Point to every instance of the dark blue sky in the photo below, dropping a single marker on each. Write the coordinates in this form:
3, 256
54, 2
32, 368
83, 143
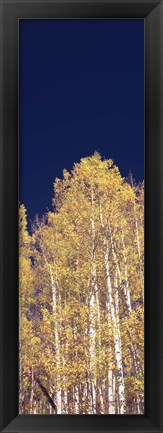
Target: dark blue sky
81, 87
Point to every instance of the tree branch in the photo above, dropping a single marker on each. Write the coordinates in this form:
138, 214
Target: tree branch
45, 392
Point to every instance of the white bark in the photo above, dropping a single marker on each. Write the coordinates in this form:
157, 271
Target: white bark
34, 408
93, 391
114, 394
76, 399
116, 334
32, 391
89, 396
126, 289
58, 392
111, 402
139, 250
101, 399
84, 396
117, 341
137, 231
65, 401
40, 407
75, 388
92, 352
92, 331
128, 303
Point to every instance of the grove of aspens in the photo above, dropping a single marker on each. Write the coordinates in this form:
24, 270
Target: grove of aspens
81, 296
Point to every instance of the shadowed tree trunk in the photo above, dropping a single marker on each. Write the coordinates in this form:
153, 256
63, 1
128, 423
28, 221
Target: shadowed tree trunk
45, 392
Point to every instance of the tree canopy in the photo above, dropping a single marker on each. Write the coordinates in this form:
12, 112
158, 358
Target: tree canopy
81, 284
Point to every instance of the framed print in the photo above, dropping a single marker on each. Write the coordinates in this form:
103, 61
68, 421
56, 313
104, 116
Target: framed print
75, 338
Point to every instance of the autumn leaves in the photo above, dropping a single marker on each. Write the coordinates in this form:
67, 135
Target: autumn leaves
81, 296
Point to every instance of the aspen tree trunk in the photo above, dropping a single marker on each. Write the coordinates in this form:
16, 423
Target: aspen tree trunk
34, 408
58, 393
40, 407
111, 403
139, 250
128, 303
99, 343
126, 290
111, 378
101, 399
91, 385
93, 391
75, 388
32, 391
83, 397
116, 297
117, 340
92, 332
114, 393
137, 232
136, 222
65, 393
20, 382
127, 297
89, 396
76, 399
116, 336
65, 401
116, 303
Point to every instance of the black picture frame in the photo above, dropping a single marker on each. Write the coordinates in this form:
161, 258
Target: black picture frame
152, 13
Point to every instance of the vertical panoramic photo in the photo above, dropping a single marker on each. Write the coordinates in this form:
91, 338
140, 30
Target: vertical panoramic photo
81, 216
